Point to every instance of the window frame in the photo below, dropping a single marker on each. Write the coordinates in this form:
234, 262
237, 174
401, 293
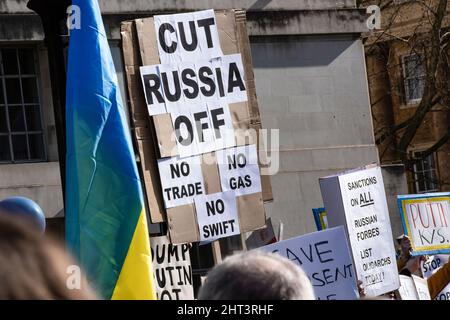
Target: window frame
406, 88
20, 76
423, 172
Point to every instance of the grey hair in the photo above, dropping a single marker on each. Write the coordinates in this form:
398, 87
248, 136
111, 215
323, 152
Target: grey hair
256, 275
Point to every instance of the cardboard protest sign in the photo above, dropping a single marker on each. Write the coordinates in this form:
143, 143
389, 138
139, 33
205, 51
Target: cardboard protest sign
325, 258
421, 287
407, 289
261, 237
181, 180
192, 97
217, 216
320, 218
357, 200
432, 264
426, 221
239, 170
171, 269
186, 36
430, 267
444, 294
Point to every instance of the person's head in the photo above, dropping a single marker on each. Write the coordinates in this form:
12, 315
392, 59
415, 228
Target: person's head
33, 266
256, 275
25, 208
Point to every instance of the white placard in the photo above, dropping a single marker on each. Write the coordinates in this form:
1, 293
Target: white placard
181, 180
421, 287
357, 199
407, 289
433, 264
444, 294
239, 170
172, 270
325, 258
217, 216
426, 221
154, 97
202, 128
187, 36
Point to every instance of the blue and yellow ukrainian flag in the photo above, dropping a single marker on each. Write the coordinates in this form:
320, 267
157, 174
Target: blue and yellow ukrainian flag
106, 225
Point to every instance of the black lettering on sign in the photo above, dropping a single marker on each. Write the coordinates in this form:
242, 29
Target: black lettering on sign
218, 228
205, 81
213, 207
172, 97
183, 191
206, 25
188, 46
179, 168
220, 82
235, 78
162, 39
185, 141
203, 73
201, 125
235, 161
240, 182
217, 123
189, 82
152, 84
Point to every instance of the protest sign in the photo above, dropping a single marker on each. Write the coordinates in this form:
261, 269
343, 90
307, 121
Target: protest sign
444, 294
426, 221
239, 170
325, 258
171, 269
176, 43
407, 289
217, 215
432, 264
320, 218
421, 287
261, 237
181, 180
357, 200
430, 267
192, 96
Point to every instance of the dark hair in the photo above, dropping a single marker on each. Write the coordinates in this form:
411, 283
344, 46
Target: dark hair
256, 275
33, 266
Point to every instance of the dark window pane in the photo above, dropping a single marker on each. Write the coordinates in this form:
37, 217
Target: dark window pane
16, 120
29, 89
26, 59
430, 162
9, 61
33, 118
420, 182
3, 123
36, 146
13, 91
20, 147
5, 154
419, 167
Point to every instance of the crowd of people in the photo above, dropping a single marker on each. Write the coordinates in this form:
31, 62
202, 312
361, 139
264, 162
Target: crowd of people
34, 266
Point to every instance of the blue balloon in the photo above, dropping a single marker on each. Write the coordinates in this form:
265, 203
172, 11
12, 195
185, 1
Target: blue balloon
26, 208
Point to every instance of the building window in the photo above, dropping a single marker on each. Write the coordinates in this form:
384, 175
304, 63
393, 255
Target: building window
21, 135
425, 173
414, 78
